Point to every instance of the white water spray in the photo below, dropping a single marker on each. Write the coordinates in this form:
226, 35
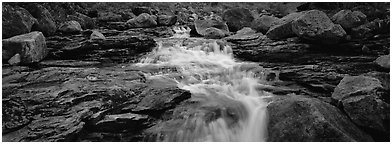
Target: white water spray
210, 72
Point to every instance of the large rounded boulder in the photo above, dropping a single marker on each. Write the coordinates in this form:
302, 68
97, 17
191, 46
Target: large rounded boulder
143, 20
298, 118
237, 18
366, 101
213, 27
16, 21
263, 23
315, 25
282, 28
349, 19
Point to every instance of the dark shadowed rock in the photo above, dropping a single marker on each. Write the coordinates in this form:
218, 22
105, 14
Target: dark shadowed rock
364, 99
70, 27
16, 21
263, 23
297, 118
45, 23
315, 26
31, 47
349, 19
237, 18
143, 20
139, 10
166, 20
282, 28
383, 61
372, 28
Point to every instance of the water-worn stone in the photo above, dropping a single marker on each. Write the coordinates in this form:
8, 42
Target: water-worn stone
298, 118
237, 18
364, 99
31, 47
16, 21
315, 26
166, 20
71, 27
263, 23
211, 27
143, 20
45, 23
15, 60
96, 35
349, 19
282, 28
383, 61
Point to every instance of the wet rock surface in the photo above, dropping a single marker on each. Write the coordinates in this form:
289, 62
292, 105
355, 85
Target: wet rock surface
88, 87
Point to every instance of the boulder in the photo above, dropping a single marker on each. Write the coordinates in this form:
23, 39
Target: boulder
214, 33
349, 19
166, 20
45, 23
109, 17
237, 18
383, 61
143, 20
298, 118
212, 26
70, 27
263, 23
282, 28
314, 25
31, 47
96, 35
16, 21
365, 100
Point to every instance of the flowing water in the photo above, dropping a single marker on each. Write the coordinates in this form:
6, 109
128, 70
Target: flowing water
210, 72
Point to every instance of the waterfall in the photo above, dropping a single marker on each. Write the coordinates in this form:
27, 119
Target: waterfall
210, 72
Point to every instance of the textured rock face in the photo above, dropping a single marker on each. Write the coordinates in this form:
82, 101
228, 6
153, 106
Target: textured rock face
263, 23
76, 104
297, 118
45, 23
31, 47
16, 21
282, 28
349, 19
364, 99
143, 20
70, 27
315, 26
383, 61
237, 18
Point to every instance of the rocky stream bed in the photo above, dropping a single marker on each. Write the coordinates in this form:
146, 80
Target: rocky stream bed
327, 73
